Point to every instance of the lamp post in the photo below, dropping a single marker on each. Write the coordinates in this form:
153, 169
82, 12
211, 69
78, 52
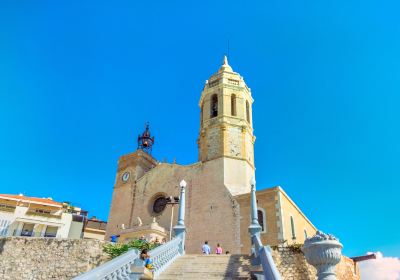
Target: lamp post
172, 201
180, 228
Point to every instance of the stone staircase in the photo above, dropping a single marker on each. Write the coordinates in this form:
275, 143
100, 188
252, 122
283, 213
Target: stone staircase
210, 267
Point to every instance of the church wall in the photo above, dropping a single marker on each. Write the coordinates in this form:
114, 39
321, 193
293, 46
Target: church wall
249, 146
136, 164
163, 180
212, 213
267, 201
237, 175
121, 204
301, 223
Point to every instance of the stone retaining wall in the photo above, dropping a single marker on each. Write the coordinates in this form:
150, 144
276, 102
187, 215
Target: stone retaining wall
30, 258
25, 258
293, 265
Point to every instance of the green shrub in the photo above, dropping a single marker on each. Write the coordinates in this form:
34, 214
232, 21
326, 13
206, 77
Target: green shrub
117, 249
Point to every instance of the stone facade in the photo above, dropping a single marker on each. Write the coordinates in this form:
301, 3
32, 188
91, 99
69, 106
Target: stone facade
226, 129
48, 258
277, 209
211, 212
131, 167
293, 265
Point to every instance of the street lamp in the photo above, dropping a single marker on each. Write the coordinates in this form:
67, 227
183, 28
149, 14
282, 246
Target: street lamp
172, 201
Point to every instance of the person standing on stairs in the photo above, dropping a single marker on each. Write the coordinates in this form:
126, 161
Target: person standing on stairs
206, 249
218, 250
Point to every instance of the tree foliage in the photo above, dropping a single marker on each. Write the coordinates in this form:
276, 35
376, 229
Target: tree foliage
116, 249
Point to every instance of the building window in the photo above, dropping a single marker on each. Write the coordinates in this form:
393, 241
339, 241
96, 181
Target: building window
233, 105
247, 111
27, 230
262, 219
292, 225
159, 205
214, 106
41, 211
4, 224
51, 232
305, 234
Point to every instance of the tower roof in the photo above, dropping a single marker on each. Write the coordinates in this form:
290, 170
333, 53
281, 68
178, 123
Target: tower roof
225, 66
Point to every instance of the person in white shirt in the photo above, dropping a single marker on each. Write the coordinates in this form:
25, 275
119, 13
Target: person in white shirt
206, 249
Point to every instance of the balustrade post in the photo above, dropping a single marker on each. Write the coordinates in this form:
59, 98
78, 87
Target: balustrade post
254, 228
180, 228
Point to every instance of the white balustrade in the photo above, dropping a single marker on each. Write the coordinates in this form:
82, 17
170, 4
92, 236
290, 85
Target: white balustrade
116, 269
162, 256
261, 254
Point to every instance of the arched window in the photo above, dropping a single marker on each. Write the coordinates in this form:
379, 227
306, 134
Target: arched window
305, 234
233, 105
247, 111
292, 225
214, 106
262, 219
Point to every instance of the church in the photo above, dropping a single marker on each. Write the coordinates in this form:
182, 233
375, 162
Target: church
218, 185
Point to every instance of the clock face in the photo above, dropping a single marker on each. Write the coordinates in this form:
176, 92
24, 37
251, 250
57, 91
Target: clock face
125, 176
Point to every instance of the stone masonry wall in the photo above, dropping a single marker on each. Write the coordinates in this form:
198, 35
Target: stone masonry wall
292, 265
48, 258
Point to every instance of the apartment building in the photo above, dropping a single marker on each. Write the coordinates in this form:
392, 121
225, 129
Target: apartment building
22, 215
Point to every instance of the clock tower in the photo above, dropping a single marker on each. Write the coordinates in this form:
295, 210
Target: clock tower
226, 131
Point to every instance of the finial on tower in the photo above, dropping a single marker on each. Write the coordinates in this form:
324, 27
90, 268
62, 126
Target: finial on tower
225, 66
225, 60
145, 141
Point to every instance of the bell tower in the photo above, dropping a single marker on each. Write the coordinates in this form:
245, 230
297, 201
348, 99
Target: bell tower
226, 130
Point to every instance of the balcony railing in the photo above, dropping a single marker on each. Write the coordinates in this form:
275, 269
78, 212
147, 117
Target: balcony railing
43, 214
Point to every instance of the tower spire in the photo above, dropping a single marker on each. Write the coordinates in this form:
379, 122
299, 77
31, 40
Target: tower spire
145, 141
225, 66
225, 62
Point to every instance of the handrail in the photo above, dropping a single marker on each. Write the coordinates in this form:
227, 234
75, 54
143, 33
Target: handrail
266, 260
261, 254
118, 268
165, 254
162, 256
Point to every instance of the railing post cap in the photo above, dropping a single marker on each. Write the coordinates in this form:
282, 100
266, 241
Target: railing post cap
183, 184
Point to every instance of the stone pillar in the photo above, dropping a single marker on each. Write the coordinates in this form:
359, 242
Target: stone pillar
323, 251
254, 228
180, 228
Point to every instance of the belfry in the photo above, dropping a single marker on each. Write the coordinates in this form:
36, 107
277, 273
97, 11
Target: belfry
226, 130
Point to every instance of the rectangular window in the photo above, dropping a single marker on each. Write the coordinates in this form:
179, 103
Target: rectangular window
293, 230
51, 232
27, 230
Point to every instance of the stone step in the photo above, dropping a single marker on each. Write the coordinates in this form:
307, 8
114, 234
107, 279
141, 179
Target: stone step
204, 276
197, 277
210, 267
205, 271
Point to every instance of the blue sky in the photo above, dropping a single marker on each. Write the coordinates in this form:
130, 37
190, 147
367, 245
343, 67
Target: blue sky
78, 79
